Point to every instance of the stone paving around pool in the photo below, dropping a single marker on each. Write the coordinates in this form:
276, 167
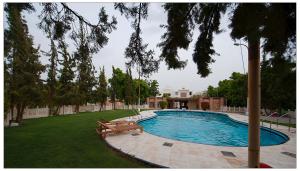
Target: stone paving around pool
179, 154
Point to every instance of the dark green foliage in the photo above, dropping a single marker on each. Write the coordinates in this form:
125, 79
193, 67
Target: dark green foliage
117, 83
116, 88
7, 62
124, 87
47, 26
234, 90
178, 33
166, 95
280, 28
278, 80
6, 88
209, 21
130, 93
52, 81
245, 25
23, 61
275, 22
163, 104
66, 88
144, 89
212, 92
278, 86
102, 91
181, 22
63, 19
153, 88
136, 51
56, 20
86, 79
138, 56
63, 142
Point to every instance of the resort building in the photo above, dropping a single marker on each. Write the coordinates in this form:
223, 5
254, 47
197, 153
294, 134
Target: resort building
184, 98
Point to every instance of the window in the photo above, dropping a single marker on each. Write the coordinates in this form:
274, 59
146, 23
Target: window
176, 93
151, 104
190, 93
182, 94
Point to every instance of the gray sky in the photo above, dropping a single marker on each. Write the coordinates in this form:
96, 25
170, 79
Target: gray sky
113, 53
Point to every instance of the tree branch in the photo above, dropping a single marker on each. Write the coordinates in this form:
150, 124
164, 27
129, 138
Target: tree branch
189, 11
77, 15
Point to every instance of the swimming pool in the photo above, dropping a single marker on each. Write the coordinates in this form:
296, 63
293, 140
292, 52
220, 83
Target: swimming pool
207, 128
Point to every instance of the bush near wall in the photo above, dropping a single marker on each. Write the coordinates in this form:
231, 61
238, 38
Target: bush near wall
163, 104
204, 105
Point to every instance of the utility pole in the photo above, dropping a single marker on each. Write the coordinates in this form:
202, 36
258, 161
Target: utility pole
253, 102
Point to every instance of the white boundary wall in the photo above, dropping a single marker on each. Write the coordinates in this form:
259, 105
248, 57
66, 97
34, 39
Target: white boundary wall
30, 113
233, 109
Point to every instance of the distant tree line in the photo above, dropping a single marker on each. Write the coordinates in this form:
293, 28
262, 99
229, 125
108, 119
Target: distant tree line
233, 89
71, 76
278, 86
124, 87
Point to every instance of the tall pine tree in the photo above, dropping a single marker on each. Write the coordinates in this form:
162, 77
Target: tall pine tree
66, 88
130, 94
25, 65
47, 25
102, 91
86, 79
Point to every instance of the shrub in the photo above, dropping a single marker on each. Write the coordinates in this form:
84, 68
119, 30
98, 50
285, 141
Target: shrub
205, 105
163, 104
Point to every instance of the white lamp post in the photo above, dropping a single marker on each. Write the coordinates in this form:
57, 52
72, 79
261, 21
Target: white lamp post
240, 44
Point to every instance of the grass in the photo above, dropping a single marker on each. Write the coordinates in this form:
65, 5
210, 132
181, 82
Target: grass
274, 123
63, 142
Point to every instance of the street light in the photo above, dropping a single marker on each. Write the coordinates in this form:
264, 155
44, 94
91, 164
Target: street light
240, 44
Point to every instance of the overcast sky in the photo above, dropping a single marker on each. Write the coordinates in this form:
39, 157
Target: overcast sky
113, 53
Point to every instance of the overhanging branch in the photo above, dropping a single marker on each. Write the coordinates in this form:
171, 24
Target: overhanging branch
81, 18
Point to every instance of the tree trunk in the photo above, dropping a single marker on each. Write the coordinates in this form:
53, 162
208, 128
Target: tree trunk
254, 103
20, 111
50, 110
56, 110
18, 119
12, 113
77, 108
101, 105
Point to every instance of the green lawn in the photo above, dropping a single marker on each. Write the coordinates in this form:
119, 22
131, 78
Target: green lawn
63, 142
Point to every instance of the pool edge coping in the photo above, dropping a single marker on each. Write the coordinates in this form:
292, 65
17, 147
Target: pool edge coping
144, 115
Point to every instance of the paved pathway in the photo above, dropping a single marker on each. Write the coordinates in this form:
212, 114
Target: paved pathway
182, 154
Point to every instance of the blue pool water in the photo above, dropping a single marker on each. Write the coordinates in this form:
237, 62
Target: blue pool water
206, 128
